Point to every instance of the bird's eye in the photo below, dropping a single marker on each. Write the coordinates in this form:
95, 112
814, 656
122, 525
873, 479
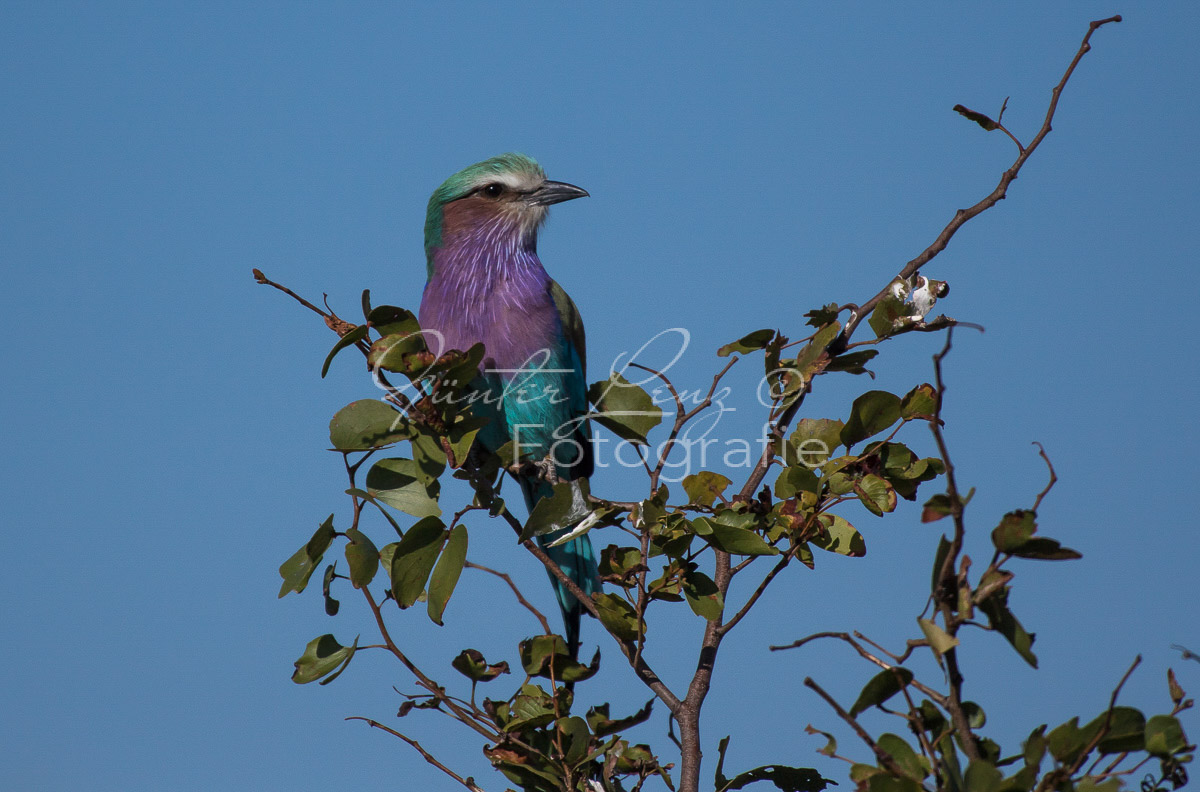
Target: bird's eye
493, 190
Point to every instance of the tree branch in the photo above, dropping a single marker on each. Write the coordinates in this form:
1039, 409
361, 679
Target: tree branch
991, 199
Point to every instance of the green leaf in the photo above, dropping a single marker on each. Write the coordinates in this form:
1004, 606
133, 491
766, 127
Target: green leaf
703, 488
319, 542
982, 776
331, 605
736, 540
299, 568
539, 653
883, 782
602, 725
617, 616
853, 362
1067, 741
1015, 529
549, 513
574, 736
936, 508
903, 755
794, 480
390, 320
830, 748
402, 484
462, 435
362, 556
819, 317
547, 656
404, 353
920, 402
839, 536
881, 687
1164, 737
1089, 784
703, 596
413, 559
351, 338
876, 494
1034, 747
814, 440
951, 769
457, 370
747, 343
624, 408
883, 318
872, 413
618, 564
1001, 619
1044, 549
471, 664
812, 360
296, 571
638, 759
367, 424
939, 640
446, 573
386, 554
976, 718
1126, 730
428, 454
531, 708
321, 656
932, 722
994, 580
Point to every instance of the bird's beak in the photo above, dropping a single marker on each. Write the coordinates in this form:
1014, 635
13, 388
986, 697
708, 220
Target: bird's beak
553, 192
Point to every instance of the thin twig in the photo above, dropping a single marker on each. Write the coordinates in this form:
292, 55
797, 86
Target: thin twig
468, 782
264, 280
899, 658
1053, 477
463, 715
885, 759
528, 606
1053, 779
780, 565
928, 691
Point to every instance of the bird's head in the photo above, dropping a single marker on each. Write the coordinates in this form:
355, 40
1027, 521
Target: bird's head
505, 196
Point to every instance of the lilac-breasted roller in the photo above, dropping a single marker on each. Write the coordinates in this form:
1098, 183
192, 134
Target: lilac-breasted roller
486, 284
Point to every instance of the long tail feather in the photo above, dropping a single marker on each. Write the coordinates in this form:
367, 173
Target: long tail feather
577, 558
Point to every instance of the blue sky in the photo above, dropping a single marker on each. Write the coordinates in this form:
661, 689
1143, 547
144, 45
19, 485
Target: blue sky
166, 418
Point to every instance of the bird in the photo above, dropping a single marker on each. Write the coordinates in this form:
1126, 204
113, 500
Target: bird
485, 284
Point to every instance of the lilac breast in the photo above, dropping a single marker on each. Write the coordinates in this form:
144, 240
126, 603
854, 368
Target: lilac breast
505, 305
